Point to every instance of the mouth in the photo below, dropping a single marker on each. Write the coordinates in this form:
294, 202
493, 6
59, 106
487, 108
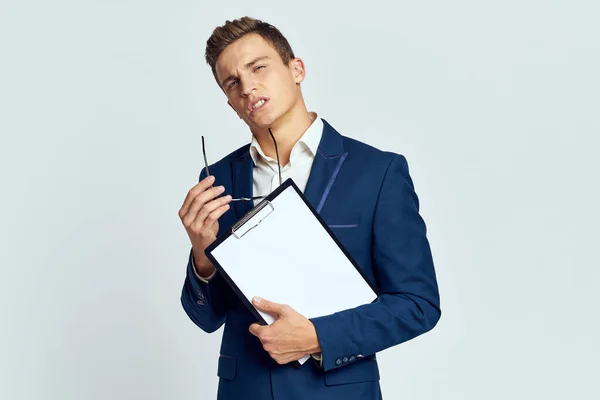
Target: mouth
258, 104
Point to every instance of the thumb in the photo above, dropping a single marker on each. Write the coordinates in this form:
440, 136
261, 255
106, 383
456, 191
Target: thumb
267, 306
256, 329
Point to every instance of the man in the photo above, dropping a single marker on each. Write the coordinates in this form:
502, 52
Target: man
364, 194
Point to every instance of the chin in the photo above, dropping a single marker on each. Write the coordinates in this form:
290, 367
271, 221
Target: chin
264, 121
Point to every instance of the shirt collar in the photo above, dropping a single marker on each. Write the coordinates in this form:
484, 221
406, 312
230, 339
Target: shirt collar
310, 140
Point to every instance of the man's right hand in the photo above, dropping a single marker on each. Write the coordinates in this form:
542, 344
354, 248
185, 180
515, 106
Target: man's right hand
200, 213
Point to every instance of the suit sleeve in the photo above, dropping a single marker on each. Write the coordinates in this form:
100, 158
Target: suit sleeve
204, 301
409, 303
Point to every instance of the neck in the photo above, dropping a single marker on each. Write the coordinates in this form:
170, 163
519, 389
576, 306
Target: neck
287, 130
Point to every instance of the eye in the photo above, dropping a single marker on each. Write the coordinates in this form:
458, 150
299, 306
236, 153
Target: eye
231, 84
259, 67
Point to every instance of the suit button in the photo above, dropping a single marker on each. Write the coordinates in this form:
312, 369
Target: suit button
345, 360
338, 362
352, 359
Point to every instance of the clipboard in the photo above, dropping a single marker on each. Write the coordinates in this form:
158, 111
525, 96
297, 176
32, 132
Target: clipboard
283, 251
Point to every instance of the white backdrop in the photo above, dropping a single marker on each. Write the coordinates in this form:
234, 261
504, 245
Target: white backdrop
494, 104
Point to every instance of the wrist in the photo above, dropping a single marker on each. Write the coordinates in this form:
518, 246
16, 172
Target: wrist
203, 269
315, 346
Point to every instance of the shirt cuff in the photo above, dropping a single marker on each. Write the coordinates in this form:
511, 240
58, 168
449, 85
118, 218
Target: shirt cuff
205, 280
318, 357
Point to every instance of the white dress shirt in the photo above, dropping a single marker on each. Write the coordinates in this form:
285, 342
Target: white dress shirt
265, 174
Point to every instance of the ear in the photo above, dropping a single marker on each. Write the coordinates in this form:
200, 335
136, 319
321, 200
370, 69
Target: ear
298, 69
234, 109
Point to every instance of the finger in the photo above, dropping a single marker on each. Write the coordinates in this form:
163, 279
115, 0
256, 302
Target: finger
295, 357
195, 191
206, 226
214, 216
287, 357
199, 202
204, 216
268, 306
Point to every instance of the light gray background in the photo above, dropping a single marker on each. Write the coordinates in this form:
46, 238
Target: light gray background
494, 104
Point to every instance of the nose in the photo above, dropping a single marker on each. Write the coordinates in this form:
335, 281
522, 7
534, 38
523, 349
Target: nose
247, 86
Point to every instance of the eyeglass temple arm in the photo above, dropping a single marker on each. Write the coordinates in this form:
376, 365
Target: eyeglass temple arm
249, 198
277, 153
205, 160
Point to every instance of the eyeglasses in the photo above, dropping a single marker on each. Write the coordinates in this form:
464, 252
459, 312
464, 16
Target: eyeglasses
246, 198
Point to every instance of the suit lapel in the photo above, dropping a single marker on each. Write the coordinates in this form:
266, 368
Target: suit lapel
326, 166
242, 183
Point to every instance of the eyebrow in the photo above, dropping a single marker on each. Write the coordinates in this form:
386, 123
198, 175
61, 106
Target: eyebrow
246, 66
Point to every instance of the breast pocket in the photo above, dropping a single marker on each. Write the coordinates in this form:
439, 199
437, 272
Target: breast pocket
347, 229
348, 221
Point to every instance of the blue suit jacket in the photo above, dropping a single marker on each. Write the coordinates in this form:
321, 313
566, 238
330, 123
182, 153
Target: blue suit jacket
367, 198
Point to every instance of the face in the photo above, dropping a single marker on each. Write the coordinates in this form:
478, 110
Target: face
259, 87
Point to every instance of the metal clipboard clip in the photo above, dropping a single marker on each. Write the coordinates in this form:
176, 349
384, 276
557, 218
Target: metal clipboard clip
261, 211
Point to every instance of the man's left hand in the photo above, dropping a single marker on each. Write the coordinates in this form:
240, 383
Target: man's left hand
291, 337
